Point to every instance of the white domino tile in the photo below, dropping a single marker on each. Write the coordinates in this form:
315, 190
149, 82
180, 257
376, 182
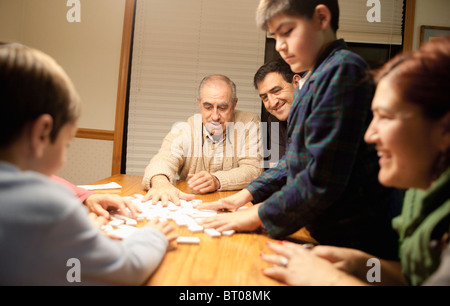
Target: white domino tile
212, 232
188, 240
116, 223
228, 233
195, 228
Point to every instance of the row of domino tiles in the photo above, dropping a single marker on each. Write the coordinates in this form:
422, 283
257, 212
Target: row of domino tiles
183, 215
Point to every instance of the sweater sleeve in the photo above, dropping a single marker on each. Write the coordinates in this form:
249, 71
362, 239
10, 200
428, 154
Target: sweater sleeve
172, 154
103, 261
248, 141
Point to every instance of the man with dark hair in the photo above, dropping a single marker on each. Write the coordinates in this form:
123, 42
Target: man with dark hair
276, 84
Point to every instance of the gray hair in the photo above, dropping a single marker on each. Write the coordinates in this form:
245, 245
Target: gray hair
218, 77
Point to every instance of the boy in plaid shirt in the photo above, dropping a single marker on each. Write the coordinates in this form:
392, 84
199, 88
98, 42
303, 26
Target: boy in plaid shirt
327, 181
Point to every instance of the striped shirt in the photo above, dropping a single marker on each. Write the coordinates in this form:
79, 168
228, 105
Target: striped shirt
327, 181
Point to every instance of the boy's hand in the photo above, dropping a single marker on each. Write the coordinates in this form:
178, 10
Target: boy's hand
164, 227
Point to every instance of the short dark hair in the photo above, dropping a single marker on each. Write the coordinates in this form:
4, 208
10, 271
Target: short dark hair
33, 84
268, 9
279, 66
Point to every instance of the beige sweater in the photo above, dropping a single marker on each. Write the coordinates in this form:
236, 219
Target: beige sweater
187, 149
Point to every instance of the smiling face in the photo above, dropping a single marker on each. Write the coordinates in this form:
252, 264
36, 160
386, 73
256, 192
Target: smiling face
277, 95
216, 105
407, 142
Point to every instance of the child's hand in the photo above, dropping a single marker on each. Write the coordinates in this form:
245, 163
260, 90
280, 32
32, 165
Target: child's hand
164, 227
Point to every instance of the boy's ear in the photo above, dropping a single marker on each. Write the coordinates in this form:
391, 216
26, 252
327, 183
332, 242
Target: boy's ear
323, 15
296, 79
40, 134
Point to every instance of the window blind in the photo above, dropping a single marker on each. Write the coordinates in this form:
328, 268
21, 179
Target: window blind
176, 44
354, 25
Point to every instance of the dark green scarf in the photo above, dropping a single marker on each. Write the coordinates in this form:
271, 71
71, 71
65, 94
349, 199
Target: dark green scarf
422, 213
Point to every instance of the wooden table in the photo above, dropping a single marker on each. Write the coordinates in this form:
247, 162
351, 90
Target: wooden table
224, 261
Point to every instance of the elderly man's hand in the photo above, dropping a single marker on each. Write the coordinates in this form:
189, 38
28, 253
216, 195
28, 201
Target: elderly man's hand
162, 190
203, 182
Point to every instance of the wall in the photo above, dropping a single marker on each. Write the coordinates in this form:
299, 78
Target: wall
430, 13
89, 51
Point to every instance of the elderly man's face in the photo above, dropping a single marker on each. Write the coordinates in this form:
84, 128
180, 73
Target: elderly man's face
216, 106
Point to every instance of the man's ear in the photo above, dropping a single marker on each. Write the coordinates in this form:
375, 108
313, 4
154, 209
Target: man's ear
323, 15
40, 134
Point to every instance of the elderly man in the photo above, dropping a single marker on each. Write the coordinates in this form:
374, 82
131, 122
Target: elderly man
217, 149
